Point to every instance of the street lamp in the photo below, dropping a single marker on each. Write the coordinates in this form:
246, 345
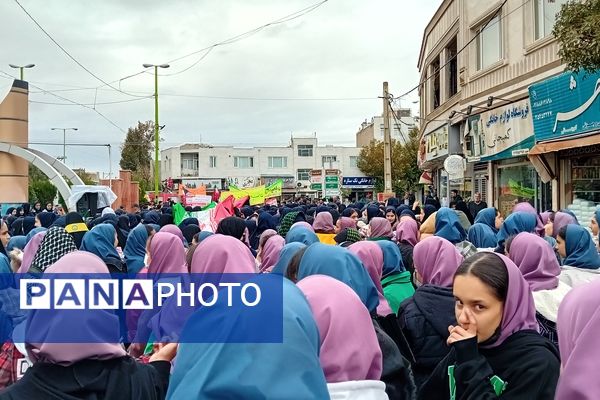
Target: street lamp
156, 127
64, 157
21, 67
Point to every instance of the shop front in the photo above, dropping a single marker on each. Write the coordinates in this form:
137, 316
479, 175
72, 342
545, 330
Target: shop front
358, 188
566, 119
433, 151
496, 144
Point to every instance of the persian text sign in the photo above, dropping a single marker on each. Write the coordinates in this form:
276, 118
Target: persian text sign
505, 127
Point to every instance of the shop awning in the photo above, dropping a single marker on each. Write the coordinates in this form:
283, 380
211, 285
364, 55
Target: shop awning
550, 147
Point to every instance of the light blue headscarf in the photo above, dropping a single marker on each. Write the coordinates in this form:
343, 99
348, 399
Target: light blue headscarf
487, 216
341, 264
203, 235
447, 226
285, 256
516, 223
482, 236
16, 242
6, 273
392, 258
101, 242
135, 249
253, 371
33, 232
302, 235
580, 249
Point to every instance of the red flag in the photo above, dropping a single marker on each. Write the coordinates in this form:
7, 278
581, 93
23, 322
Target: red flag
223, 210
240, 202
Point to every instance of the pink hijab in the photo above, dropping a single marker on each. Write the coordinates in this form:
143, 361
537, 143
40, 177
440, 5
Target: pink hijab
408, 231
270, 253
174, 230
222, 254
381, 227
578, 326
562, 219
303, 224
76, 262
371, 256
30, 250
347, 222
324, 223
338, 310
436, 260
536, 260
167, 254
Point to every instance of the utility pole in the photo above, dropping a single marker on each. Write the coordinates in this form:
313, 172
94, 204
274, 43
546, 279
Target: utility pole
64, 130
387, 142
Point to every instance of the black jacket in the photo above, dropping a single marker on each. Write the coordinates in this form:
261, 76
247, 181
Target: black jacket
424, 318
527, 362
406, 249
120, 378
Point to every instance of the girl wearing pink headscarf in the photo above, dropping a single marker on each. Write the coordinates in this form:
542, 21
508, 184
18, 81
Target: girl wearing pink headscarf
270, 253
86, 370
407, 237
496, 351
324, 228
352, 363
380, 229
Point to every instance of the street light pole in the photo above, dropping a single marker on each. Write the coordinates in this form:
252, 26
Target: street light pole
156, 129
64, 157
21, 68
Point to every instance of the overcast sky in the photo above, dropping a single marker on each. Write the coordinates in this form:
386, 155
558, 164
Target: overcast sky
343, 49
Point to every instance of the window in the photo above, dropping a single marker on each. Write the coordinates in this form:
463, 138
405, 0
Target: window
489, 44
189, 161
435, 71
212, 161
452, 80
277, 162
353, 161
545, 16
305, 150
243, 162
303, 174
327, 160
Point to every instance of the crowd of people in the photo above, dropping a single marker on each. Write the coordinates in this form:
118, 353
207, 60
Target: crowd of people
380, 301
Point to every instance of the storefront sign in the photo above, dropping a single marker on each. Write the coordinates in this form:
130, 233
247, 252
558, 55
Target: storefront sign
208, 183
565, 105
365, 182
332, 183
289, 182
455, 167
436, 143
316, 177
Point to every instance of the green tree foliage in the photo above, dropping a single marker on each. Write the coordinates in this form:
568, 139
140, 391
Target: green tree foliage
136, 154
405, 171
40, 187
577, 32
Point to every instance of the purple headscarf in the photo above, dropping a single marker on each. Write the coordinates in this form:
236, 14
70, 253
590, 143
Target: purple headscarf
578, 326
545, 216
222, 254
30, 250
324, 223
371, 256
346, 222
436, 260
174, 230
76, 262
536, 260
519, 308
528, 208
303, 224
408, 231
337, 311
562, 219
167, 254
381, 227
270, 253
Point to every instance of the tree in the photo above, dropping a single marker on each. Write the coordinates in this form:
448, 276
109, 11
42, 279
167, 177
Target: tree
40, 187
576, 29
136, 154
405, 171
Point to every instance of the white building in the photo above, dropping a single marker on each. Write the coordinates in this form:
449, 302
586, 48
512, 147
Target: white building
219, 166
400, 125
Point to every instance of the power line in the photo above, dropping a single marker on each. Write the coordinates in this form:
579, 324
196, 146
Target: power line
91, 104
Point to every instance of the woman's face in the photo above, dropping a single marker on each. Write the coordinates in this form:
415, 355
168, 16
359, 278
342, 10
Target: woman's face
499, 221
391, 216
49, 206
4, 235
14, 213
37, 206
37, 222
116, 243
337, 226
594, 226
472, 294
561, 246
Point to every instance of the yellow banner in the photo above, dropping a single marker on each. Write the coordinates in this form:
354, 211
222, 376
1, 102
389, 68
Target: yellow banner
257, 194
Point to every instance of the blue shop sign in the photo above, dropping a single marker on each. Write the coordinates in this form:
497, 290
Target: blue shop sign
366, 182
565, 105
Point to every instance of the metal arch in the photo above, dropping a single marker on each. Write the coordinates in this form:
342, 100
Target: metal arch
52, 174
59, 166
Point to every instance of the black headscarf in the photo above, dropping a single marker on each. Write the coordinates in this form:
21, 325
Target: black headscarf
165, 219
46, 218
16, 228
372, 212
189, 231
247, 211
266, 221
393, 202
133, 220
188, 221
28, 225
462, 206
252, 236
59, 221
76, 227
335, 214
428, 209
152, 217
232, 226
348, 211
123, 230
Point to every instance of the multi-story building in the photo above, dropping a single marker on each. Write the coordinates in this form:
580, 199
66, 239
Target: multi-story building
400, 125
217, 167
478, 61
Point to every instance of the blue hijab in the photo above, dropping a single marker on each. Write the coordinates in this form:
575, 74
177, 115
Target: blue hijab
135, 249
101, 242
580, 249
447, 226
341, 264
285, 256
229, 370
16, 242
32, 233
6, 275
203, 235
392, 258
487, 216
266, 221
482, 236
516, 223
302, 235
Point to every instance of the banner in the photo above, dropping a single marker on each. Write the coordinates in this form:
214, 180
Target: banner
256, 194
197, 201
185, 191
